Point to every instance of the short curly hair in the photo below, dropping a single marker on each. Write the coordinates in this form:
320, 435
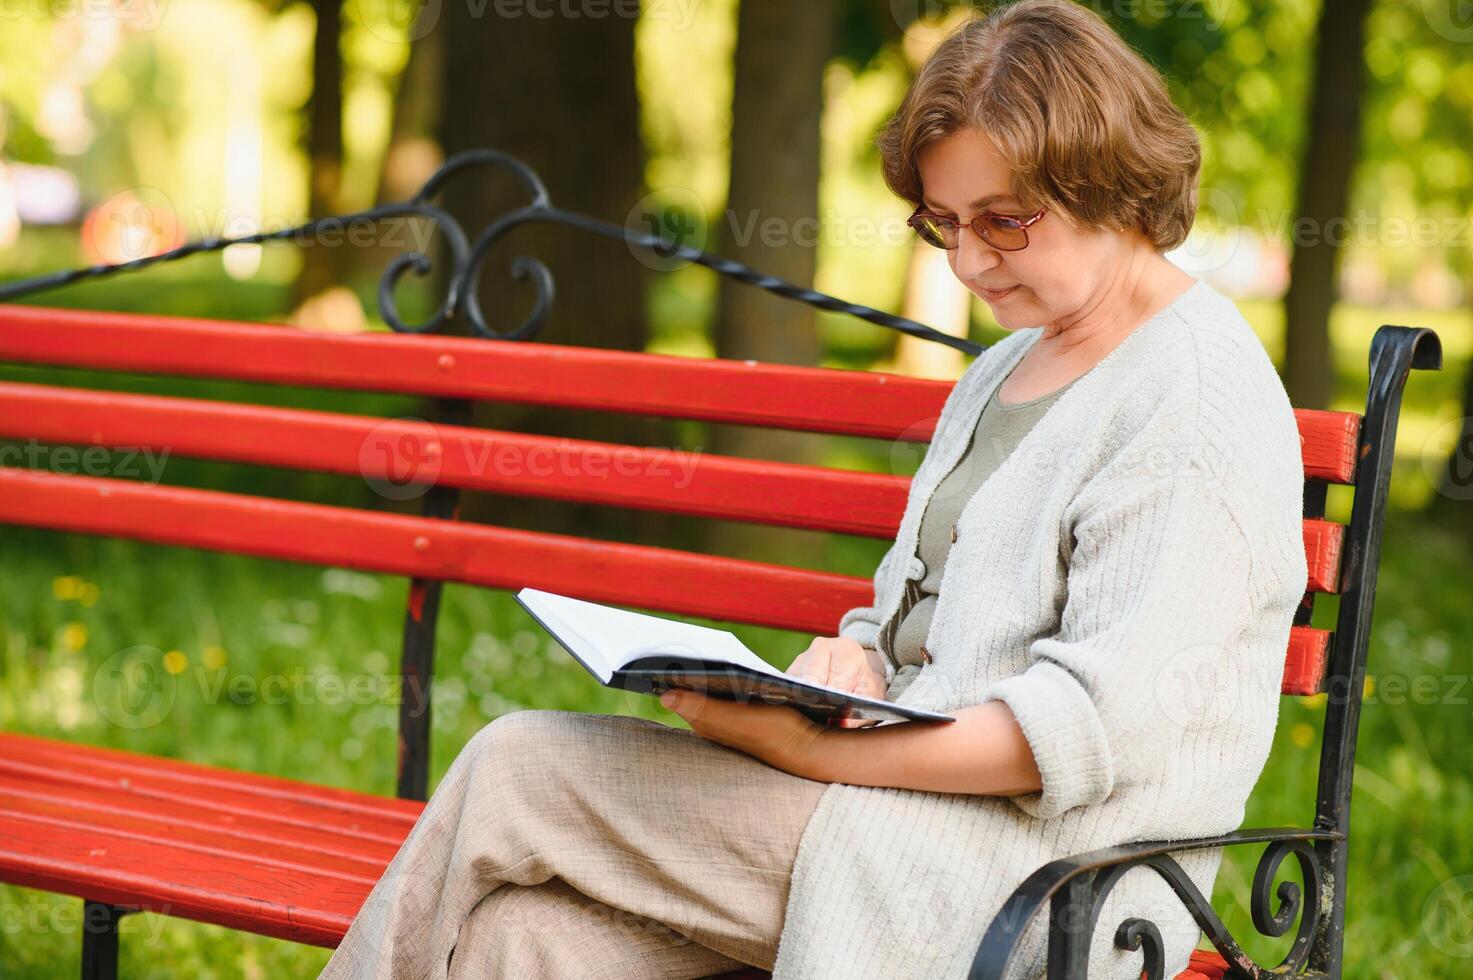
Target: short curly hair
1086, 125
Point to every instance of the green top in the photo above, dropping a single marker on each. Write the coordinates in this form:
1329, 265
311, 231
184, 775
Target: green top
999, 430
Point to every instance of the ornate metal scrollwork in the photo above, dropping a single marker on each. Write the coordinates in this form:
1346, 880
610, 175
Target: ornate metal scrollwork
466, 260
1294, 903
417, 261
1135, 933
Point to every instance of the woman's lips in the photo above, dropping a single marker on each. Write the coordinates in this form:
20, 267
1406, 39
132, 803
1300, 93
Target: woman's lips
996, 295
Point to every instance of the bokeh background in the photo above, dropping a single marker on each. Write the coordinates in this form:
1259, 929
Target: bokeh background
1337, 193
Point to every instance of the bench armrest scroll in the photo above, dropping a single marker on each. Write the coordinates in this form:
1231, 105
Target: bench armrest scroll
1075, 889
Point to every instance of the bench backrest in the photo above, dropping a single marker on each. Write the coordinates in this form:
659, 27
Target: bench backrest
1337, 448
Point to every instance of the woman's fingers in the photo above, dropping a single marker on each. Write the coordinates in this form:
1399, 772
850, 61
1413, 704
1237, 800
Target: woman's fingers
813, 664
839, 663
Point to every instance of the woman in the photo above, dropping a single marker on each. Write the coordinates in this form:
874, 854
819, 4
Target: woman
1096, 573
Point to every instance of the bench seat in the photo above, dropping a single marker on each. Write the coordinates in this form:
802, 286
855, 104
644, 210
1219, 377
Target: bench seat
276, 857
271, 856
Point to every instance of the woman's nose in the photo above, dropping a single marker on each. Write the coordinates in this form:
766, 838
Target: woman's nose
972, 255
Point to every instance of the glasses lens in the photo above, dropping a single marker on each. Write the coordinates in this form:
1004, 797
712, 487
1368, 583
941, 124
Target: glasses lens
933, 231
1006, 234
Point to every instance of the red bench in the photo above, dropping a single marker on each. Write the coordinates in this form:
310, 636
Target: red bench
293, 860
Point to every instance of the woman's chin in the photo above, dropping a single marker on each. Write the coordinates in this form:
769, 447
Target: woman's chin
1007, 310
1011, 319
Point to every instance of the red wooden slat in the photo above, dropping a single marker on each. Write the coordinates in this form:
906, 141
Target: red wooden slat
863, 403
72, 816
1308, 656
139, 813
1207, 964
1327, 442
221, 797
131, 770
396, 451
729, 589
815, 399
1323, 543
235, 892
129, 842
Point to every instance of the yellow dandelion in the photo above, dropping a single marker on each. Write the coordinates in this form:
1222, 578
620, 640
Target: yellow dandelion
1370, 687
64, 587
74, 636
175, 661
88, 594
213, 657
1302, 734
1315, 701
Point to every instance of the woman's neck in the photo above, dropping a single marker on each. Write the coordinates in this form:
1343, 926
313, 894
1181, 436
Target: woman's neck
1141, 286
1144, 285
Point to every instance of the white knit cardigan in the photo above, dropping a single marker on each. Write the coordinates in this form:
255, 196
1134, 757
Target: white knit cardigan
1125, 583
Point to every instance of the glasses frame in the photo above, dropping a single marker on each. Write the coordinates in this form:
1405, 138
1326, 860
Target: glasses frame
1023, 225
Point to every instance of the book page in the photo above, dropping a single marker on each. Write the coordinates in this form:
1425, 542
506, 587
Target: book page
616, 636
586, 653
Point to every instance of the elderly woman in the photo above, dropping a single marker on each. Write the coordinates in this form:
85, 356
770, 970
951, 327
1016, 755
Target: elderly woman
1096, 573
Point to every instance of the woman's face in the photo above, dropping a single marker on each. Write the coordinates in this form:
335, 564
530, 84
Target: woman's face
1061, 273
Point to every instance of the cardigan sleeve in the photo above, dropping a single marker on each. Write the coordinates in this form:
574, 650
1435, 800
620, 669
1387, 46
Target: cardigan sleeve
1158, 593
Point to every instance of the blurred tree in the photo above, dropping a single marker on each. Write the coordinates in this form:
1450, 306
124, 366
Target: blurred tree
559, 93
772, 219
868, 27
413, 152
1417, 184
323, 265
1325, 170
26, 44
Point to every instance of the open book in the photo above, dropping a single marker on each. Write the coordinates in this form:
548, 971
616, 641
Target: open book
649, 654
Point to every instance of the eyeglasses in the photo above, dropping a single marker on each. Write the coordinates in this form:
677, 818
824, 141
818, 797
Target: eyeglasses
1006, 233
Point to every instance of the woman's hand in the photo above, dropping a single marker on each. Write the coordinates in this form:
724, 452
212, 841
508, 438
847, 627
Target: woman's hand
780, 736
843, 663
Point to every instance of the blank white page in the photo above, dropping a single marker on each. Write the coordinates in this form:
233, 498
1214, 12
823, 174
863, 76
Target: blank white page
612, 637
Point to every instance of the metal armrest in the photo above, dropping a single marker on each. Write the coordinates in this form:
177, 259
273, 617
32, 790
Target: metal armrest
1076, 887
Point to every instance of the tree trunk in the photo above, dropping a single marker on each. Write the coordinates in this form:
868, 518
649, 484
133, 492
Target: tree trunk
559, 93
321, 264
1328, 163
772, 220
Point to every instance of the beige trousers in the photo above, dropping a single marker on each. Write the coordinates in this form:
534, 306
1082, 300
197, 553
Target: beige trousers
562, 844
